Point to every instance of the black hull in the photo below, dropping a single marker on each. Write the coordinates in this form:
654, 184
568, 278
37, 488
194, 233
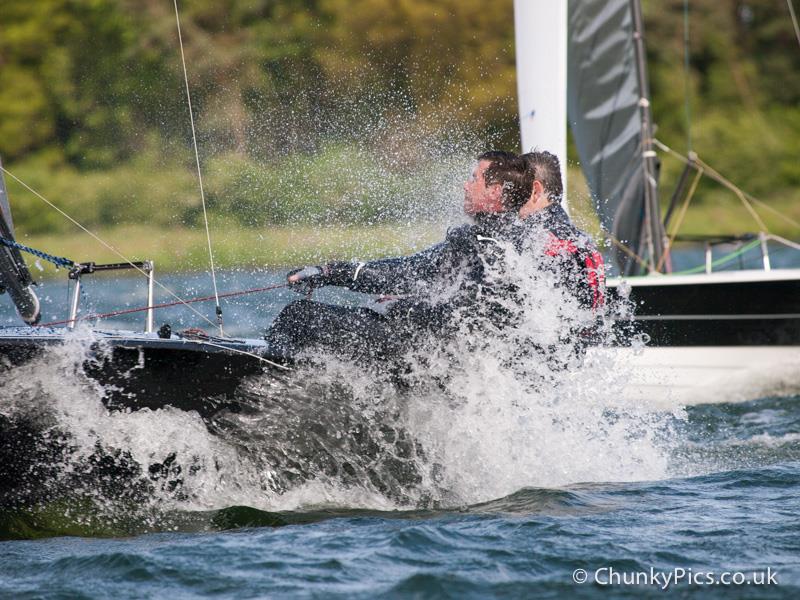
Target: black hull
715, 310
142, 371
41, 466
136, 371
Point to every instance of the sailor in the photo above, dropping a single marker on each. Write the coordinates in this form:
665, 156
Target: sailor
427, 288
568, 253
575, 257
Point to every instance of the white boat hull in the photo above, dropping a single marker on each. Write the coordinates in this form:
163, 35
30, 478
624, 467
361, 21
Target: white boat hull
667, 377
720, 337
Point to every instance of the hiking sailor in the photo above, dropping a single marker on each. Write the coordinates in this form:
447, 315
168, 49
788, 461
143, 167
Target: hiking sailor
576, 259
575, 265
433, 284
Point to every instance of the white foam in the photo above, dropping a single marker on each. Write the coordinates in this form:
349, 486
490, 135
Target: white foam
486, 426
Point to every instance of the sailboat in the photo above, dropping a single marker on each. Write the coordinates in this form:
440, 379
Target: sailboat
190, 370
148, 369
725, 334
585, 63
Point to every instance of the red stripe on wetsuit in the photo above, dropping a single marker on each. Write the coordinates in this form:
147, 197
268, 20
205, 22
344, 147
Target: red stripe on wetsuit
593, 262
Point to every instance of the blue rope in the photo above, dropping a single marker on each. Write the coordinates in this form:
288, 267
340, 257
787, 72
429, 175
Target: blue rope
56, 260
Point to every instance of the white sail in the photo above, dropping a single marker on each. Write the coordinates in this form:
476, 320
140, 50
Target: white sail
541, 47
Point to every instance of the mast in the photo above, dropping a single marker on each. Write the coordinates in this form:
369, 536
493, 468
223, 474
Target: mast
15, 278
541, 52
652, 239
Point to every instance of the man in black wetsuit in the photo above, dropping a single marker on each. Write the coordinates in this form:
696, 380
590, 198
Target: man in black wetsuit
433, 284
575, 257
568, 253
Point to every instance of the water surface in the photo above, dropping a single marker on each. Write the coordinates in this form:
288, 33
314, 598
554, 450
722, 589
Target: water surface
534, 492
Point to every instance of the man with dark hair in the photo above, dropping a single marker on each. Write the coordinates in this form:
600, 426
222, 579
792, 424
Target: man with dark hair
547, 171
433, 283
575, 255
508, 170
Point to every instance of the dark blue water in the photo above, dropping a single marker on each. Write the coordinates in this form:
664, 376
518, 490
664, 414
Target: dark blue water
734, 519
726, 505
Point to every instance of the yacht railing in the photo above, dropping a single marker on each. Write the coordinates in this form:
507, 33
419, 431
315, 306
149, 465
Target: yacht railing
87, 269
749, 242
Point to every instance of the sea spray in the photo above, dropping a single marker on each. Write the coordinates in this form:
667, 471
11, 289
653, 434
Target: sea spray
461, 420
75, 449
524, 406
468, 419
472, 417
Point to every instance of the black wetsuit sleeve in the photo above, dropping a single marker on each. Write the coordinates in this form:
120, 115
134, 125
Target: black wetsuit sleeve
401, 275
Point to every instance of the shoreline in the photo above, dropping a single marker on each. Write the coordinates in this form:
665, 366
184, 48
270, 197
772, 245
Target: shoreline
184, 250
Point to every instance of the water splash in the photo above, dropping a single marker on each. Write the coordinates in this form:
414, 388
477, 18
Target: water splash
477, 417
526, 407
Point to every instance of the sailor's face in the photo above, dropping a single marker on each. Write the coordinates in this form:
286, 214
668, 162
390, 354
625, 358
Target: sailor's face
478, 197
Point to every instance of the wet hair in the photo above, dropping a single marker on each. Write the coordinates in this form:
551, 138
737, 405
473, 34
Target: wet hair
512, 173
547, 170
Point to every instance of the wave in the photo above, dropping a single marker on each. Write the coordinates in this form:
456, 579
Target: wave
475, 421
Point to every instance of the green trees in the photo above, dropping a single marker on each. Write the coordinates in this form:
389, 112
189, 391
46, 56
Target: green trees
744, 90
92, 109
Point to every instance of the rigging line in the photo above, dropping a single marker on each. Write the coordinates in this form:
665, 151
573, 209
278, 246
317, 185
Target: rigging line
681, 215
735, 189
662, 146
686, 76
101, 241
251, 354
722, 260
127, 311
774, 211
685, 207
58, 261
794, 20
784, 241
746, 198
167, 304
199, 172
628, 251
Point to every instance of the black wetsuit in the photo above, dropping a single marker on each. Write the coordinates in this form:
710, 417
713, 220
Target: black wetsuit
442, 288
433, 285
571, 253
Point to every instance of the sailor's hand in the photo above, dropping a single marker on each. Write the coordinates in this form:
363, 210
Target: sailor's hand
306, 279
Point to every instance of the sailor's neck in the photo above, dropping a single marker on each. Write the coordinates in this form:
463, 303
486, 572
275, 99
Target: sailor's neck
551, 211
494, 220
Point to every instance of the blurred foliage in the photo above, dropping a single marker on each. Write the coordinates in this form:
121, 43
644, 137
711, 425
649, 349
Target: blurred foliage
743, 90
350, 111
